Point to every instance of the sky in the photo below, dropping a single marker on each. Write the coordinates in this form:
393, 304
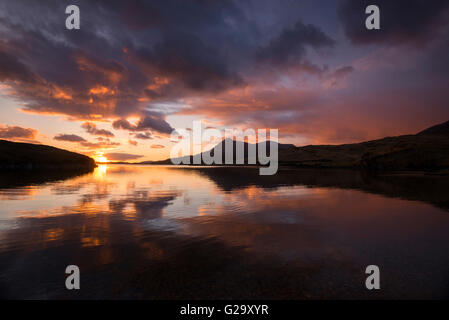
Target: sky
136, 70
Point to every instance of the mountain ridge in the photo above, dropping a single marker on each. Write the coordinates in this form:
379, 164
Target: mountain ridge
426, 150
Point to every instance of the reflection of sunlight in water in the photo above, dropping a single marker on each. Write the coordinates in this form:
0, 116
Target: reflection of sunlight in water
120, 213
100, 171
184, 201
90, 242
149, 193
53, 234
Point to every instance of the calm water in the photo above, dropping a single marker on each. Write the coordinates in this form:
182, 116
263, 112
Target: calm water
170, 232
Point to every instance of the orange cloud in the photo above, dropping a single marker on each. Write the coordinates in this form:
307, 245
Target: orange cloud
101, 90
17, 133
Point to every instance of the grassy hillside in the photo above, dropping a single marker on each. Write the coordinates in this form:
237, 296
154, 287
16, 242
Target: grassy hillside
14, 155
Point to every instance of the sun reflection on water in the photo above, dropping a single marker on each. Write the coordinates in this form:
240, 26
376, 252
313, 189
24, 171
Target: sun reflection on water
100, 171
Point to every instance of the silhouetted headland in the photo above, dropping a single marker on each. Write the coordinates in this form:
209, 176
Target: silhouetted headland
37, 157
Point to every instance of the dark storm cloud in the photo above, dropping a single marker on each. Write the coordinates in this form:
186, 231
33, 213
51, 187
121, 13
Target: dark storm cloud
229, 60
129, 54
139, 14
92, 129
191, 62
154, 121
401, 21
289, 48
150, 120
13, 69
69, 137
91, 72
10, 132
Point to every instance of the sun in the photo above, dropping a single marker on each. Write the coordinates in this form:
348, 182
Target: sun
102, 159
99, 157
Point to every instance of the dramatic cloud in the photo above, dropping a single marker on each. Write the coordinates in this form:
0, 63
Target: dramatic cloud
150, 120
157, 146
154, 121
132, 142
123, 124
69, 137
117, 156
13, 69
252, 63
186, 59
108, 69
104, 143
11, 132
143, 135
402, 21
289, 48
92, 129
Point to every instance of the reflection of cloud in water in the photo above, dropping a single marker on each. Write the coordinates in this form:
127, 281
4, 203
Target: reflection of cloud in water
119, 170
146, 205
160, 229
67, 187
17, 194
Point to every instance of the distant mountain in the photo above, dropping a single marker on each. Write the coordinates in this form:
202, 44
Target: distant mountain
427, 150
117, 162
222, 146
18, 156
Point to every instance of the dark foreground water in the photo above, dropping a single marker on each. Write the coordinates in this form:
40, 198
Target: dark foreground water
157, 232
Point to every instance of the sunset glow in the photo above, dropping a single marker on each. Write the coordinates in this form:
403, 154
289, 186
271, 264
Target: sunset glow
303, 70
101, 159
224, 156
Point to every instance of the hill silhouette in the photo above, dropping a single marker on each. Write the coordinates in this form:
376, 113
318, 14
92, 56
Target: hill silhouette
18, 156
439, 129
426, 150
222, 146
